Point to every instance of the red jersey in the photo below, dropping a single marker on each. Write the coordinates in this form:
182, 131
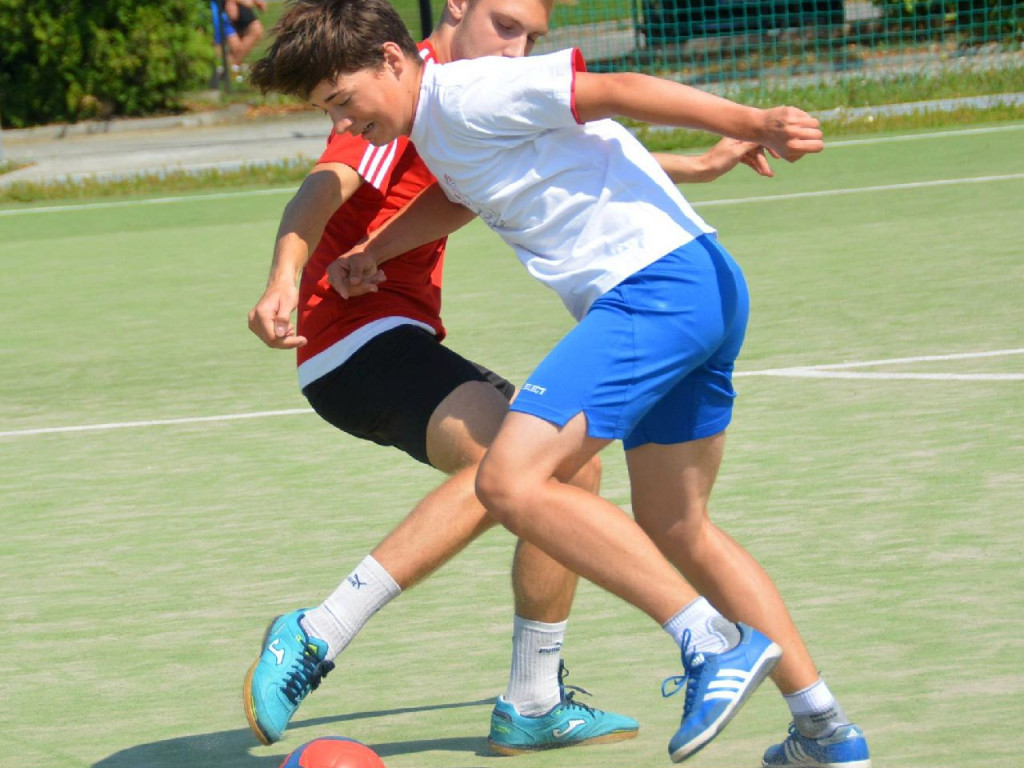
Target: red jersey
392, 176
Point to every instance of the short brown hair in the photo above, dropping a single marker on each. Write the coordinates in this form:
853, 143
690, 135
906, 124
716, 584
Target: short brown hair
317, 40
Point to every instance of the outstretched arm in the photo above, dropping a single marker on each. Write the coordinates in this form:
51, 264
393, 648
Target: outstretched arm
429, 216
327, 187
717, 161
787, 131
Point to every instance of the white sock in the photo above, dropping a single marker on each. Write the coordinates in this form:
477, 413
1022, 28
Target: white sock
536, 656
816, 713
710, 631
338, 619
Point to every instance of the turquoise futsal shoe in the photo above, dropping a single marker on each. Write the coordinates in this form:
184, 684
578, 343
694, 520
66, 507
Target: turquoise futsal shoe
717, 684
846, 748
290, 665
571, 723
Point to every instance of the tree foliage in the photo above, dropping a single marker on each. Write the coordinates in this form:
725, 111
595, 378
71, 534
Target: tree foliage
66, 60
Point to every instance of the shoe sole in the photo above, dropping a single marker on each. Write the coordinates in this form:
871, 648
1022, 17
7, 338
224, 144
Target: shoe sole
765, 664
608, 738
250, 710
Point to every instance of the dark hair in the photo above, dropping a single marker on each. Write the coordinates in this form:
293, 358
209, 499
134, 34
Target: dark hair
317, 40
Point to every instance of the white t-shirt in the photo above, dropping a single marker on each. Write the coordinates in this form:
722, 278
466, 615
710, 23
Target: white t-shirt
584, 206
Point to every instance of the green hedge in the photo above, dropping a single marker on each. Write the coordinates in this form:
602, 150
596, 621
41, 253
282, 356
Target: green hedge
66, 60
995, 19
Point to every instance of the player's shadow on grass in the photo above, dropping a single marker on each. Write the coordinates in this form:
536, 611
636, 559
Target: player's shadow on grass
231, 749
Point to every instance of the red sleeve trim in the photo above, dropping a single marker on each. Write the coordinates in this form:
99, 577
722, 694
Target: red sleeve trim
373, 164
578, 65
344, 148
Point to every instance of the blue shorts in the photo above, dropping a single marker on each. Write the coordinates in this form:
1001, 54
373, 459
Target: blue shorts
222, 28
652, 361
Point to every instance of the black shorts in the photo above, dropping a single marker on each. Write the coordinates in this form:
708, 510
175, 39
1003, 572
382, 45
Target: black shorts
388, 390
246, 16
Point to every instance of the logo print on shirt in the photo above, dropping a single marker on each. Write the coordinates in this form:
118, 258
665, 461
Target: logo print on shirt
489, 216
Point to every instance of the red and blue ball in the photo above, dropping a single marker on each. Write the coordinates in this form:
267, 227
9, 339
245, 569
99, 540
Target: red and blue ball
333, 752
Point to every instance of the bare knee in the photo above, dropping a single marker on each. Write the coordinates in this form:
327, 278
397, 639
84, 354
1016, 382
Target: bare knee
510, 492
498, 491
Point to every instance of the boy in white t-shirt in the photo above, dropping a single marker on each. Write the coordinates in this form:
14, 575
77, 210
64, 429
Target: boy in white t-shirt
662, 309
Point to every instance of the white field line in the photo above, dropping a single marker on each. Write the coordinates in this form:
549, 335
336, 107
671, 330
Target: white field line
830, 370
153, 422
841, 370
861, 190
149, 201
922, 136
811, 373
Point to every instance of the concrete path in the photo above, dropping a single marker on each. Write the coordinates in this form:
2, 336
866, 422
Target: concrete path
225, 139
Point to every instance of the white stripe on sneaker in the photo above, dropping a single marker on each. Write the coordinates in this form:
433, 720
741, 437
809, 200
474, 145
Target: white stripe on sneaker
796, 754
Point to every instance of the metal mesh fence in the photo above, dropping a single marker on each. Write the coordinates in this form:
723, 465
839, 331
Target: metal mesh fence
785, 44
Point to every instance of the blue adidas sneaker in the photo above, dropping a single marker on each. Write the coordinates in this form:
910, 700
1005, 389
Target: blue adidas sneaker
846, 748
717, 684
290, 665
571, 723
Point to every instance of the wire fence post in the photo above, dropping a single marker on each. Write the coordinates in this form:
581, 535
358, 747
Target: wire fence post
224, 76
426, 19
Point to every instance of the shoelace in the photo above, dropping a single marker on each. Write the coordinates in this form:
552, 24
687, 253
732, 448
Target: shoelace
693, 667
569, 699
305, 676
